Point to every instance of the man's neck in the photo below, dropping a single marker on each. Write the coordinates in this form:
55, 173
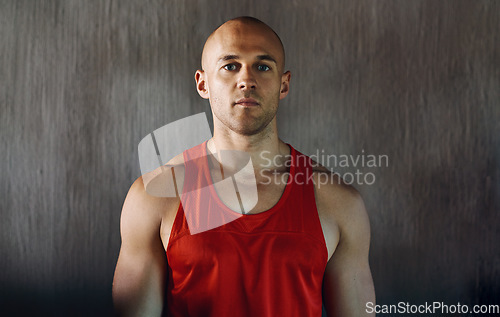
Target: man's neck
266, 150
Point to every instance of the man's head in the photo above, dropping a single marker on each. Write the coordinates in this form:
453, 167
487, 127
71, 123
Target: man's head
221, 31
242, 75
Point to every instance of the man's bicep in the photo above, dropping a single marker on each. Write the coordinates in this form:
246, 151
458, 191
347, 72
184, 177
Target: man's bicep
139, 279
348, 284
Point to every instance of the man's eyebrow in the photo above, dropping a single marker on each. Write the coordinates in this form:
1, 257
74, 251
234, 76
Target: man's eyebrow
259, 57
266, 58
228, 57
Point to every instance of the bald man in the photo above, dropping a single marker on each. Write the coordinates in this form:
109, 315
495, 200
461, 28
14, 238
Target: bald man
303, 244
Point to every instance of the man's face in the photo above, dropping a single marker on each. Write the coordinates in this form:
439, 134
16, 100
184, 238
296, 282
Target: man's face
243, 77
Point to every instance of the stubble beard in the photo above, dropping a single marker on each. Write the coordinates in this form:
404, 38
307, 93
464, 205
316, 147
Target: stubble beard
245, 123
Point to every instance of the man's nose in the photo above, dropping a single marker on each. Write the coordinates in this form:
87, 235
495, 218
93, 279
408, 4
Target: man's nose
246, 79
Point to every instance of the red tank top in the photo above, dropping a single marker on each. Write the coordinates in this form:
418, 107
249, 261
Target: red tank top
266, 264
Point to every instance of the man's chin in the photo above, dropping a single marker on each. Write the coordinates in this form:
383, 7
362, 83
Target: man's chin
249, 130
246, 123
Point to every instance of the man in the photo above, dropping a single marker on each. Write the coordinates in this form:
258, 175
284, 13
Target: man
306, 240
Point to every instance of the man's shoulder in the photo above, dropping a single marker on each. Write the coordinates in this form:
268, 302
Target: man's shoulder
330, 188
340, 208
146, 206
330, 185
335, 199
163, 182
142, 197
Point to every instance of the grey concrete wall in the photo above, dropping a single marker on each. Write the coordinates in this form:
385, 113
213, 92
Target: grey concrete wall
81, 82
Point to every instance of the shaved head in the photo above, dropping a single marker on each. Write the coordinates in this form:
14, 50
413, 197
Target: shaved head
243, 76
241, 25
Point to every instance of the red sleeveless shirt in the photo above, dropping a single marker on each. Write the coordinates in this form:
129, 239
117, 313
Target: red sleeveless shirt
266, 264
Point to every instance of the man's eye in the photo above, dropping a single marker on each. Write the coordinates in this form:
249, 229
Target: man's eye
230, 67
263, 68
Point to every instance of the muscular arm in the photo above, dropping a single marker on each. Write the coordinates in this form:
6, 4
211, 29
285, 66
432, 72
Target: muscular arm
347, 284
139, 281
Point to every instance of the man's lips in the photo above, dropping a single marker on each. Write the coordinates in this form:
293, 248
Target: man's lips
247, 102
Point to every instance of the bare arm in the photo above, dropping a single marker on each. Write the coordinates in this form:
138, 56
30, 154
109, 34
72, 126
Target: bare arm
139, 281
348, 284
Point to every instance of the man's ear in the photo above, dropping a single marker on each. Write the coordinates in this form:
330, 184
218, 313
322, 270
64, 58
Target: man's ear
285, 84
201, 84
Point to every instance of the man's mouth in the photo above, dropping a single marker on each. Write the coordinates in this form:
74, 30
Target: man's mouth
247, 102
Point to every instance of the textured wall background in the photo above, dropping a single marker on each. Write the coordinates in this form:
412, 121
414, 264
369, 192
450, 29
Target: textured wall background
82, 82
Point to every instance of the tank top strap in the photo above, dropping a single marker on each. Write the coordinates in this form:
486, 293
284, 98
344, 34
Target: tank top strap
194, 178
301, 202
195, 168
